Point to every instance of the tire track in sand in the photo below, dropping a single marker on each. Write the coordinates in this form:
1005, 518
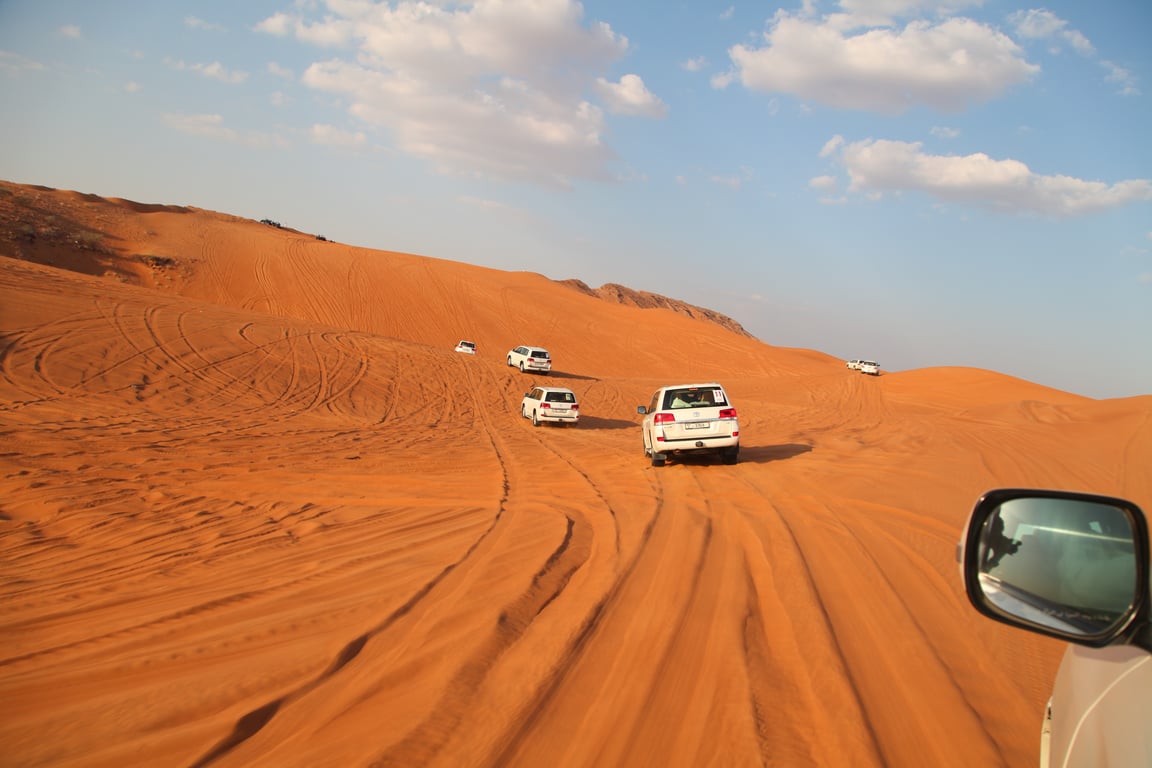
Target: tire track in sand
429, 736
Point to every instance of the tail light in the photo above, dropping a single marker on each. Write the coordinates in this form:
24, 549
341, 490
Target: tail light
727, 413
545, 405
575, 406
664, 418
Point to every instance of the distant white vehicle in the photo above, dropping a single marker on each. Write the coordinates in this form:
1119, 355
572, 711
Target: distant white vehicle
467, 347
550, 404
869, 367
853, 365
530, 359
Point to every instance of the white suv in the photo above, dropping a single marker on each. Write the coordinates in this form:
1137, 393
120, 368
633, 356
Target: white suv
687, 419
1073, 566
530, 359
550, 404
868, 366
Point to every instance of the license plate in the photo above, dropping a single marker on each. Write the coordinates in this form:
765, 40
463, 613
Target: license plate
696, 425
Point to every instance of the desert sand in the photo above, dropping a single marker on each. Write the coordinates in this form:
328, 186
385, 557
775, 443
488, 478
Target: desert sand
254, 510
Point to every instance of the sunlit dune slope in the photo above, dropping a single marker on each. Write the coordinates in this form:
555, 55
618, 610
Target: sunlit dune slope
254, 510
279, 271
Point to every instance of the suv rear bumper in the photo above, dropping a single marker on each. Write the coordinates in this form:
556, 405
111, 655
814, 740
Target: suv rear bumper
694, 444
566, 418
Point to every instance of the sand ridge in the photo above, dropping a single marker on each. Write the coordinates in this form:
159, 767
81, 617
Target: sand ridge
256, 511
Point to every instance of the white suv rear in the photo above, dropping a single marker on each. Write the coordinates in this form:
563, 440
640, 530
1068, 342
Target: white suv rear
530, 359
688, 419
550, 404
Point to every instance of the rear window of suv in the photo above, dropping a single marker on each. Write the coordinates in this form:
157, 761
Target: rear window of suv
559, 397
694, 397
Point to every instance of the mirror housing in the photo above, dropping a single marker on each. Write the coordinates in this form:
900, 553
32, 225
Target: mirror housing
641, 409
1068, 565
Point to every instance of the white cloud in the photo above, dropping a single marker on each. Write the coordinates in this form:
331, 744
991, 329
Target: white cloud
877, 167
943, 132
1045, 26
824, 183
331, 136
1040, 24
215, 70
723, 80
630, 97
515, 89
732, 182
70, 31
694, 65
728, 13
870, 13
193, 22
945, 66
212, 127
13, 63
831, 146
1122, 77
279, 71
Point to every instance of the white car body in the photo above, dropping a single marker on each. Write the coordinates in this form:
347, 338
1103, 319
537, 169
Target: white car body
1073, 566
528, 359
690, 419
870, 367
554, 404
853, 365
1100, 713
467, 347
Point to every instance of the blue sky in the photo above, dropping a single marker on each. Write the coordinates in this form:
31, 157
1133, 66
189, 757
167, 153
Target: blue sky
919, 182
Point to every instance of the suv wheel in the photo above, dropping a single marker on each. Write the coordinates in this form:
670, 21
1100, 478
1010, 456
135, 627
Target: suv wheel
732, 455
658, 459
521, 366
508, 362
535, 421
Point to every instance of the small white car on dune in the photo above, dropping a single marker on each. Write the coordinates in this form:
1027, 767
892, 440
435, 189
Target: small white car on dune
554, 404
534, 359
466, 347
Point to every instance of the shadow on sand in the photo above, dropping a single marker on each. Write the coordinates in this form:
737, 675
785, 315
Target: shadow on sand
749, 454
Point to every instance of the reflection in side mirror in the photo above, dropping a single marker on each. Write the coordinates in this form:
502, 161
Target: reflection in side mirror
1066, 564
640, 409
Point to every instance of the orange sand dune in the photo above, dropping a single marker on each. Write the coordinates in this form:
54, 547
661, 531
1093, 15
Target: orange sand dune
254, 510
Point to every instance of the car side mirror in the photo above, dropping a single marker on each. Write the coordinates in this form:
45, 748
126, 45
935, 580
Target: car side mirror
640, 409
1068, 565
